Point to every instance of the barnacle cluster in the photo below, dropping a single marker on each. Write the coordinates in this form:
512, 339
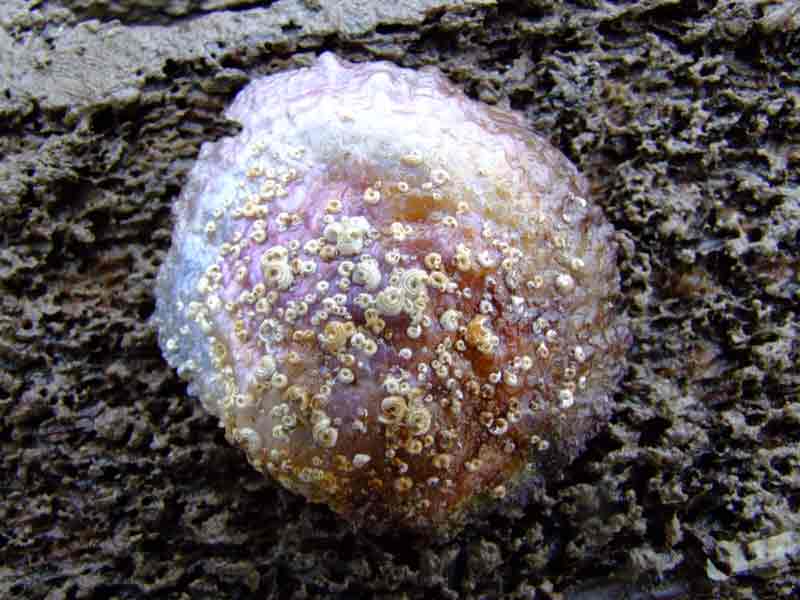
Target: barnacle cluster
398, 301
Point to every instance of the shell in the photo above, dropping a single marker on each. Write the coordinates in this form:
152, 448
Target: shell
398, 301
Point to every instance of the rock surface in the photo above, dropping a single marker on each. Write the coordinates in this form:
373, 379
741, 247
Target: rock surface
684, 116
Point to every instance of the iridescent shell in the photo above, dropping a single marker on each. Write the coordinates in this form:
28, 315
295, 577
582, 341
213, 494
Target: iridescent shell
397, 300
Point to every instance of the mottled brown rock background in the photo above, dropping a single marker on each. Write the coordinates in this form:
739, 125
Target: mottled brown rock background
686, 115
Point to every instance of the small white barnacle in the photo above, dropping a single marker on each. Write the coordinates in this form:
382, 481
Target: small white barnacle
370, 347
510, 378
413, 281
279, 381
579, 353
485, 259
266, 367
498, 426
364, 300
332, 231
539, 325
361, 460
412, 159
565, 283
390, 301
312, 246
249, 438
392, 257
326, 436
499, 492
463, 258
398, 231
438, 280
367, 273
450, 221
346, 375
450, 319
419, 420
348, 234
433, 260
279, 433
576, 264
307, 267
213, 302
372, 196
542, 350
440, 176
334, 206
517, 306
345, 268
535, 283
393, 410
277, 272
479, 334
566, 397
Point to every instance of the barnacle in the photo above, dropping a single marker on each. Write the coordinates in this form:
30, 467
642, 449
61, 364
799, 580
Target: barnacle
398, 301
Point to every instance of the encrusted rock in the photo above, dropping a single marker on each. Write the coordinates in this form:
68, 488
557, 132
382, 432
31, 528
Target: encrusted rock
397, 300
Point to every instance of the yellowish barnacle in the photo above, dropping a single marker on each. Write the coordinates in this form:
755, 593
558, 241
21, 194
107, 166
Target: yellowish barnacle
463, 258
279, 381
414, 446
336, 335
480, 334
412, 159
442, 461
438, 280
433, 260
403, 484
393, 410
334, 206
473, 465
